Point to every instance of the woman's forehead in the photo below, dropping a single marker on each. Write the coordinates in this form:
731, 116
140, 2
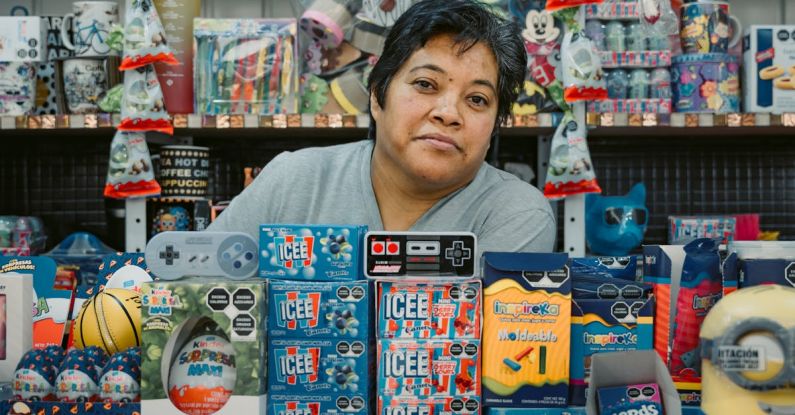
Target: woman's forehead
442, 52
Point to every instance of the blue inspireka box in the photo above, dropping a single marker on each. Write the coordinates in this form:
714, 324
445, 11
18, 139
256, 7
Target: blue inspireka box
327, 310
318, 367
603, 326
311, 252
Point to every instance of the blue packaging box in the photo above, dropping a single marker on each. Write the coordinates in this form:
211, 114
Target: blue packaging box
318, 404
447, 405
634, 399
329, 310
311, 252
755, 272
603, 326
572, 410
319, 367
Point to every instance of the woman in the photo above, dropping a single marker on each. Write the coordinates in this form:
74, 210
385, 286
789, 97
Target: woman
447, 78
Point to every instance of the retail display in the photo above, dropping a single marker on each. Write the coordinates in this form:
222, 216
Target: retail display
174, 254
421, 254
615, 225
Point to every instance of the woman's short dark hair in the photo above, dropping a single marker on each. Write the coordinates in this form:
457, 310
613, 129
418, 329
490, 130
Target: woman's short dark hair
470, 22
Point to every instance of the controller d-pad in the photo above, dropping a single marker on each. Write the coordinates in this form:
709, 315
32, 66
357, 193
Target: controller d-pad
169, 254
458, 254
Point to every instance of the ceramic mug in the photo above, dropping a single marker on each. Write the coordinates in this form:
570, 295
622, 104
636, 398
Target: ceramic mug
91, 24
707, 27
84, 81
17, 88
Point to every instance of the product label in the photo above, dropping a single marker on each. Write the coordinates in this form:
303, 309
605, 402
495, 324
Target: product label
742, 358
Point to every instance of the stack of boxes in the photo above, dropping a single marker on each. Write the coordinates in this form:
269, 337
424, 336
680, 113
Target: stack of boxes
429, 347
320, 336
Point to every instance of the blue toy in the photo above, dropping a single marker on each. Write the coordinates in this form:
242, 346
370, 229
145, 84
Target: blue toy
614, 225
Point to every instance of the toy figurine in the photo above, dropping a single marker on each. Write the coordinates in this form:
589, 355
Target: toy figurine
614, 225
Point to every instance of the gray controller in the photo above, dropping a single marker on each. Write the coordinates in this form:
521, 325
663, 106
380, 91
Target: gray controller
173, 255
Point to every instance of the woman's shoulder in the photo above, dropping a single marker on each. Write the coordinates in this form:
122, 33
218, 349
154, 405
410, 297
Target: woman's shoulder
503, 185
322, 158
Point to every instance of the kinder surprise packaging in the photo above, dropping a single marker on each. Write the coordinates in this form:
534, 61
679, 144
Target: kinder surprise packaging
570, 169
144, 37
130, 172
428, 368
142, 105
526, 329
429, 311
687, 283
583, 77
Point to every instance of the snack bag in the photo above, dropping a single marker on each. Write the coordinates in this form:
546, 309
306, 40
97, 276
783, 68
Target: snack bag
553, 5
570, 168
130, 172
144, 37
583, 77
699, 290
142, 105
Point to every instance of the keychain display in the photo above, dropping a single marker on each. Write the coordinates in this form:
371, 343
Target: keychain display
570, 168
144, 37
583, 77
130, 172
142, 104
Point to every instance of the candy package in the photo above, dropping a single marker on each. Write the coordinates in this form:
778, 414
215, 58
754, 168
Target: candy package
142, 105
658, 18
144, 37
130, 172
553, 5
570, 168
583, 77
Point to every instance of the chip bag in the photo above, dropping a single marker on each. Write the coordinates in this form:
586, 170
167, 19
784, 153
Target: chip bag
583, 77
142, 104
130, 172
144, 37
553, 5
570, 168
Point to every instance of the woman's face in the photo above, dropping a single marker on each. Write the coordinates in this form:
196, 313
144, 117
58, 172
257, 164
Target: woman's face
440, 111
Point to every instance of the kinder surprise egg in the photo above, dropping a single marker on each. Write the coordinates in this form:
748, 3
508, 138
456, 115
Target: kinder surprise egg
203, 375
78, 379
121, 377
34, 377
110, 320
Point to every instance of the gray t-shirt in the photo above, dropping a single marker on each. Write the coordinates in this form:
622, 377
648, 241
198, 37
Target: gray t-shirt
332, 185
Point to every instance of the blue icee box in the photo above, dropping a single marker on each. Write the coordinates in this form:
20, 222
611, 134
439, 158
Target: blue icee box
319, 404
319, 367
311, 252
304, 310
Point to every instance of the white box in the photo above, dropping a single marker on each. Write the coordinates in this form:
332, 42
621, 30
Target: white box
16, 321
769, 48
23, 39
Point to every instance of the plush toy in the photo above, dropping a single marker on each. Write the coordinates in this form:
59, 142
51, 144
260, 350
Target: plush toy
614, 225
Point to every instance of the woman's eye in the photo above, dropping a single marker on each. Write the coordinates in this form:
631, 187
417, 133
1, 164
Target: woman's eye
423, 84
479, 101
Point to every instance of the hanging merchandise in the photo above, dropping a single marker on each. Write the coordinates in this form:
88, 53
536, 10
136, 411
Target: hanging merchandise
130, 172
245, 66
570, 168
144, 37
583, 77
658, 18
142, 106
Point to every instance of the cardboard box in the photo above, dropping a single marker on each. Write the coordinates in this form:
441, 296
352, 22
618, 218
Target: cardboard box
526, 330
23, 39
755, 272
603, 326
623, 400
683, 229
442, 310
610, 369
429, 368
16, 321
311, 252
172, 311
393, 405
320, 404
329, 310
319, 367
768, 53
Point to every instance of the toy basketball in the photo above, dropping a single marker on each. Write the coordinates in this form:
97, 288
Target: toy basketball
110, 320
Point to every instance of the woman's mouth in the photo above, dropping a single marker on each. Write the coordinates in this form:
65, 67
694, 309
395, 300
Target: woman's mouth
440, 142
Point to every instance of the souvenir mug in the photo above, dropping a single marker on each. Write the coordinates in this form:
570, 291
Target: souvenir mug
706, 83
17, 88
84, 81
707, 27
91, 24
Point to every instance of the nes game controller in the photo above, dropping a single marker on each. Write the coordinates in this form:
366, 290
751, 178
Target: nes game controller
420, 254
173, 255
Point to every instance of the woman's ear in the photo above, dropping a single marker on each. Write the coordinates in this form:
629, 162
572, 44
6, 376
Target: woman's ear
375, 109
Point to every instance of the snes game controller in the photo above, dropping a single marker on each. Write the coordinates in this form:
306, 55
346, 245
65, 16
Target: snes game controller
173, 255
420, 254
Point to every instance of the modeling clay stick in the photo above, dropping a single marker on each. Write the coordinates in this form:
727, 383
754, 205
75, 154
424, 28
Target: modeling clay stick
542, 360
514, 364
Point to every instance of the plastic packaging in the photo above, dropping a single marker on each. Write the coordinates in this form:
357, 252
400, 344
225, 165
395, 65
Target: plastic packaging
583, 77
144, 37
570, 168
130, 172
553, 5
245, 66
658, 18
142, 105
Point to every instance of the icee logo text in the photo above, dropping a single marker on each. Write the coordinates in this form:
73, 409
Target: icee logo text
294, 251
297, 310
296, 364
